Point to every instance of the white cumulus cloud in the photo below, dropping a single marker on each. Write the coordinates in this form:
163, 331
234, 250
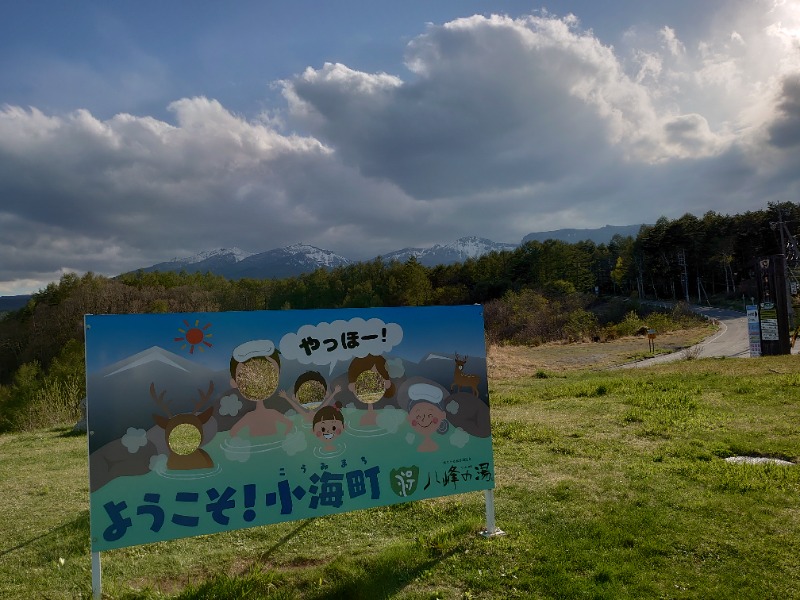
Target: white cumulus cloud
497, 126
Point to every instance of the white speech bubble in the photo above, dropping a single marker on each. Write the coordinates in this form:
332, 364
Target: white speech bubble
329, 343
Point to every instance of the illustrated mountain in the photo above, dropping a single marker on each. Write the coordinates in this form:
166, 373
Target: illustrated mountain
153, 365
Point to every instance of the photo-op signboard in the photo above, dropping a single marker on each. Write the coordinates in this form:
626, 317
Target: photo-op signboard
208, 422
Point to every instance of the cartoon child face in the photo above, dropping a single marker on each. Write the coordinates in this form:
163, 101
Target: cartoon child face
425, 417
257, 378
328, 429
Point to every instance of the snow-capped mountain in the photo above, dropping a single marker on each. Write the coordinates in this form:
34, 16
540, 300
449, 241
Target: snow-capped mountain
236, 253
285, 262
233, 263
445, 254
297, 259
214, 261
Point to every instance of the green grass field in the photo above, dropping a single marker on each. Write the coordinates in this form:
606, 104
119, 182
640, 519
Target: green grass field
610, 484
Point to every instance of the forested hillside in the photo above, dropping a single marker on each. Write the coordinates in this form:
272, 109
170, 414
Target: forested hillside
541, 291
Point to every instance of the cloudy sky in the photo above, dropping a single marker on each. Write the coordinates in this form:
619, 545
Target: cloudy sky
136, 132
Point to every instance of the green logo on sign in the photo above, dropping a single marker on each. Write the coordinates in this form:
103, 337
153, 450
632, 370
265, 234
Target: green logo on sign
404, 480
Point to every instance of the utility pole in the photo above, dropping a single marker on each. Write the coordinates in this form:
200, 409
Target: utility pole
684, 274
772, 314
791, 258
702, 290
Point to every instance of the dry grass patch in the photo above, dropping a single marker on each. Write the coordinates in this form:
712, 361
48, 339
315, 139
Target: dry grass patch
526, 361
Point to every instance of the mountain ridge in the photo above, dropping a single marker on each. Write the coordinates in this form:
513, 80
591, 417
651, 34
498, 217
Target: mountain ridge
297, 259
599, 235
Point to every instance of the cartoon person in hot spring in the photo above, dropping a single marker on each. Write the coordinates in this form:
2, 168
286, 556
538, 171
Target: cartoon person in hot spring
374, 388
328, 424
426, 415
255, 370
317, 394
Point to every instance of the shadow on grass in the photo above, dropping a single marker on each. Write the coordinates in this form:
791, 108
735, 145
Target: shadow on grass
70, 538
378, 576
265, 556
383, 574
67, 431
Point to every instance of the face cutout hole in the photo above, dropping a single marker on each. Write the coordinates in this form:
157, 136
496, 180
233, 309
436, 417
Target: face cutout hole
311, 394
185, 439
370, 387
257, 379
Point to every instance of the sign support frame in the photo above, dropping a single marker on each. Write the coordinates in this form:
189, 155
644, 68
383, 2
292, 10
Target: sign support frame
97, 578
491, 530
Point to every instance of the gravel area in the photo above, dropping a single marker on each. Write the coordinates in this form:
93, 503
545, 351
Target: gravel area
758, 460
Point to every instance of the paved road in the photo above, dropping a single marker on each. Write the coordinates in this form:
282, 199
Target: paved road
730, 341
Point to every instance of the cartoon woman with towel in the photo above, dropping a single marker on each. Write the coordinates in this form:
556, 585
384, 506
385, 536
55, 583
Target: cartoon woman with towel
426, 415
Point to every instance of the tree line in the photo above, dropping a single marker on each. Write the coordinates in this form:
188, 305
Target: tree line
538, 292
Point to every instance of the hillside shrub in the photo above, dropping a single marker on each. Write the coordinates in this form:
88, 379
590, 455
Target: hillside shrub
631, 324
581, 324
15, 398
36, 399
661, 322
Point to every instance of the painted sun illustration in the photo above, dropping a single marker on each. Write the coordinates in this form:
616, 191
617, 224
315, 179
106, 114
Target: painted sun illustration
194, 336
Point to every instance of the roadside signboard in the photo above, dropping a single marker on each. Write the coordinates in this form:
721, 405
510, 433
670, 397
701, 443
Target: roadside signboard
769, 322
753, 330
200, 423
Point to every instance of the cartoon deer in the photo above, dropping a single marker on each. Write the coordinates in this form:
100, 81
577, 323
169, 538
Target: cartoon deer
461, 380
197, 458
